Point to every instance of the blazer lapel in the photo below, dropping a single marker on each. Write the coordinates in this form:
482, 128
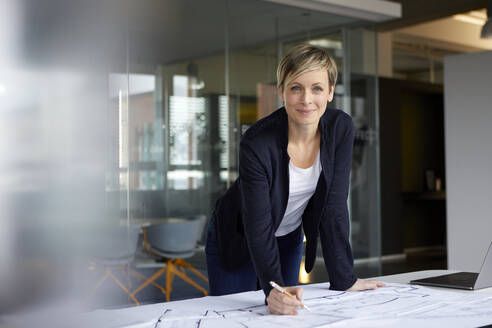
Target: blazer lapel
283, 166
326, 156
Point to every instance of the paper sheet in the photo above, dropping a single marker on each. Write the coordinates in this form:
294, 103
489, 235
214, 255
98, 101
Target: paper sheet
404, 305
396, 304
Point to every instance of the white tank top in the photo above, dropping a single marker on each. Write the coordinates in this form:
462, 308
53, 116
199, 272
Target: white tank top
302, 185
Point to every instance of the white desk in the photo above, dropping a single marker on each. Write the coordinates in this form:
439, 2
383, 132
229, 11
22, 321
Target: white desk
397, 305
404, 278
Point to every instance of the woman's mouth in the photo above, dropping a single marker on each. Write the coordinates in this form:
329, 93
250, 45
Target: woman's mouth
305, 111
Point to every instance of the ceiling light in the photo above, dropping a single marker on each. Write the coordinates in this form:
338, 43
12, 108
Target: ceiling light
326, 43
487, 27
469, 19
3, 89
479, 14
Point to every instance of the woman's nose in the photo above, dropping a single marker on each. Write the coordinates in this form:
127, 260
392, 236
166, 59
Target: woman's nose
307, 97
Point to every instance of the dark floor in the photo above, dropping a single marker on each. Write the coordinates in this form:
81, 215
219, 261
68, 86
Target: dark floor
109, 295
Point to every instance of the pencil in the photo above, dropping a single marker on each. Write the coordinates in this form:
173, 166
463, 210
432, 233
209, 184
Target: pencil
283, 291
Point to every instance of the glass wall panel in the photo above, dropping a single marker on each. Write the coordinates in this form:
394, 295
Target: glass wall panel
120, 112
355, 93
55, 67
179, 121
364, 192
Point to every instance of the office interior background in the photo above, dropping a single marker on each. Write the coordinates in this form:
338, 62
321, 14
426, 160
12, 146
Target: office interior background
119, 113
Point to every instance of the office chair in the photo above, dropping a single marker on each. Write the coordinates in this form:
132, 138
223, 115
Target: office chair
115, 248
173, 240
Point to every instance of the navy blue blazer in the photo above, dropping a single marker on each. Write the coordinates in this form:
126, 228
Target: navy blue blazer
250, 211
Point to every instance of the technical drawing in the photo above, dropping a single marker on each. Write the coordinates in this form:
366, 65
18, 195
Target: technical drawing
393, 303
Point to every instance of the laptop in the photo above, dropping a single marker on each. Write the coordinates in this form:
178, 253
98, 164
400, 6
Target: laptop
463, 280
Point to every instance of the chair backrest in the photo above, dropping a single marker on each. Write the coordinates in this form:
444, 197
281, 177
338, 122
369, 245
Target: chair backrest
176, 235
116, 243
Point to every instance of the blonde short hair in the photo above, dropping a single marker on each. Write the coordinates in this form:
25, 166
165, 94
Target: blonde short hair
305, 58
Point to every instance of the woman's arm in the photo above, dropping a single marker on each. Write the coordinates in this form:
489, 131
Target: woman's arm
362, 284
334, 225
257, 217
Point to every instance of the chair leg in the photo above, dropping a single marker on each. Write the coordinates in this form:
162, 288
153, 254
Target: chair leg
138, 275
109, 274
188, 280
98, 283
112, 276
185, 264
149, 281
169, 279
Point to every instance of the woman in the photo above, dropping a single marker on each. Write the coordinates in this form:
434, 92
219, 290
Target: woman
294, 168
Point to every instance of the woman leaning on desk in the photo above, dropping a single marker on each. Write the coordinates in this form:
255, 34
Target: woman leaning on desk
294, 168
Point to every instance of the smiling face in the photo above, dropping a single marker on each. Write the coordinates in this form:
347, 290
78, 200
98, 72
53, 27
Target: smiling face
306, 96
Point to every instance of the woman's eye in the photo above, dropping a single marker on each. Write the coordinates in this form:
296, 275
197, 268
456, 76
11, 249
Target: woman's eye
295, 88
319, 89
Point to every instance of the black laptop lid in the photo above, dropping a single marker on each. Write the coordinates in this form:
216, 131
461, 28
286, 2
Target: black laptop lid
463, 280
484, 279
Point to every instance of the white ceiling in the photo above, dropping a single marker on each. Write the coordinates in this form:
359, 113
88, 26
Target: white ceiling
158, 31
370, 10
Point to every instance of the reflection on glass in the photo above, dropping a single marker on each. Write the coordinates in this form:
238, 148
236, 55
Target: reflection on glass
224, 135
304, 277
123, 139
361, 92
109, 115
186, 128
364, 188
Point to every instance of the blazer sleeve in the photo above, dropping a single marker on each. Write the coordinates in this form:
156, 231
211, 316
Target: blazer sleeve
257, 217
334, 225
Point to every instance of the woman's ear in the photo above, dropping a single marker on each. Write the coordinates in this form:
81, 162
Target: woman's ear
331, 92
280, 91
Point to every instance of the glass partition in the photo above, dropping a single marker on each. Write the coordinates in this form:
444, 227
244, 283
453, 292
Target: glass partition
354, 51
364, 189
121, 112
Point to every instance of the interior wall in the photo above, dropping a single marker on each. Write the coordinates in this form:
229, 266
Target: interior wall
390, 159
412, 140
385, 54
468, 115
450, 30
421, 138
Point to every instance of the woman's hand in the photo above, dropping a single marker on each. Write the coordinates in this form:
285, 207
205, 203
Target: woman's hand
362, 284
279, 303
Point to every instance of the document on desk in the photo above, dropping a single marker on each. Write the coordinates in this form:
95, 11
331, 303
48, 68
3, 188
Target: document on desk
396, 304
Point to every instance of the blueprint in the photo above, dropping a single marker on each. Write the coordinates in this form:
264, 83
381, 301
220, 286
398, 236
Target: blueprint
394, 305
405, 305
